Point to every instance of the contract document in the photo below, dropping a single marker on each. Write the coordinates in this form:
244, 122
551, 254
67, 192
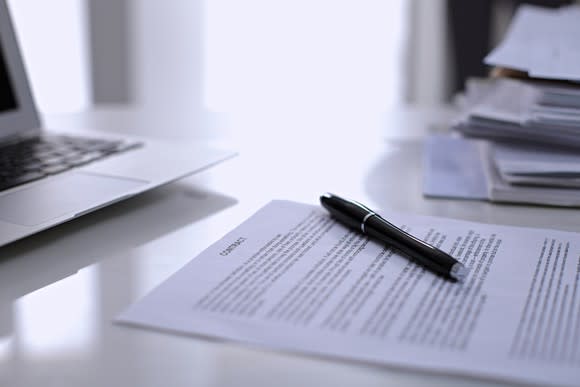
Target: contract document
292, 278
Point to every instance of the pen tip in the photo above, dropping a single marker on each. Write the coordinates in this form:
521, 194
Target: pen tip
459, 272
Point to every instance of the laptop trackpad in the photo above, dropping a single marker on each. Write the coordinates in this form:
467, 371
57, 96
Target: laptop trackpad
69, 194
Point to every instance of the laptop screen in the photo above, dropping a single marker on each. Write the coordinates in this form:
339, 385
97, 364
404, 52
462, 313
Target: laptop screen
18, 113
7, 99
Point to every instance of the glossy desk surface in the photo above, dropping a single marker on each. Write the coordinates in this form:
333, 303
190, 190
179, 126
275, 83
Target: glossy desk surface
59, 290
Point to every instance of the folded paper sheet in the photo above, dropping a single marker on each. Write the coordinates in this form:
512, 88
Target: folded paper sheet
542, 42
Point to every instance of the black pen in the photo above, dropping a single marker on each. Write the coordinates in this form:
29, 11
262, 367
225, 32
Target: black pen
358, 216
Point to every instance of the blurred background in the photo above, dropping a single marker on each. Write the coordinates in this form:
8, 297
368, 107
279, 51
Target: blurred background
253, 57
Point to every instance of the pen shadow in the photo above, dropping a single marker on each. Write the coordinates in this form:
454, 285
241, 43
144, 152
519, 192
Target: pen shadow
40, 260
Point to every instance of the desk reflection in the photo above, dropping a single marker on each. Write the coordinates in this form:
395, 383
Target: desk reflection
28, 266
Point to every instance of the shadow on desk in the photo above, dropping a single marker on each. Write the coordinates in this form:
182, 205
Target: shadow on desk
43, 259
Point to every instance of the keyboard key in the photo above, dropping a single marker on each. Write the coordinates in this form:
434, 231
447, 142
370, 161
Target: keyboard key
31, 159
83, 158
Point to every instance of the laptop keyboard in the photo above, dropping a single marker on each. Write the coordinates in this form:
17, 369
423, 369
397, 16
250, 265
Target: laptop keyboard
39, 157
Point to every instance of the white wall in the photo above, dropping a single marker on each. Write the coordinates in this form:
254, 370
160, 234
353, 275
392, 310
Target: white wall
166, 46
303, 54
53, 41
428, 61
226, 55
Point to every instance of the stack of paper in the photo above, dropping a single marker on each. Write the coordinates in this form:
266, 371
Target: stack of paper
458, 167
531, 126
522, 175
537, 166
523, 111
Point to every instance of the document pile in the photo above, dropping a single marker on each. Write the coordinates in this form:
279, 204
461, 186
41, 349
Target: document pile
521, 111
528, 129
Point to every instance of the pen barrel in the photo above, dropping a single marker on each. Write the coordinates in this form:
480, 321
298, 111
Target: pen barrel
424, 254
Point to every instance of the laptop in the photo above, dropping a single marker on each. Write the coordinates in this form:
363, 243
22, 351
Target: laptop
47, 177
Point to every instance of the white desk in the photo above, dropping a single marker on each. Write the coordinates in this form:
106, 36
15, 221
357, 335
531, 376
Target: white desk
60, 289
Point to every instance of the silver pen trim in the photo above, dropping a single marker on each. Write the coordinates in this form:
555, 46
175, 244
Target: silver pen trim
362, 225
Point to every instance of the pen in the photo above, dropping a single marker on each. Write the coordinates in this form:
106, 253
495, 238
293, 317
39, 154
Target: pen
358, 216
